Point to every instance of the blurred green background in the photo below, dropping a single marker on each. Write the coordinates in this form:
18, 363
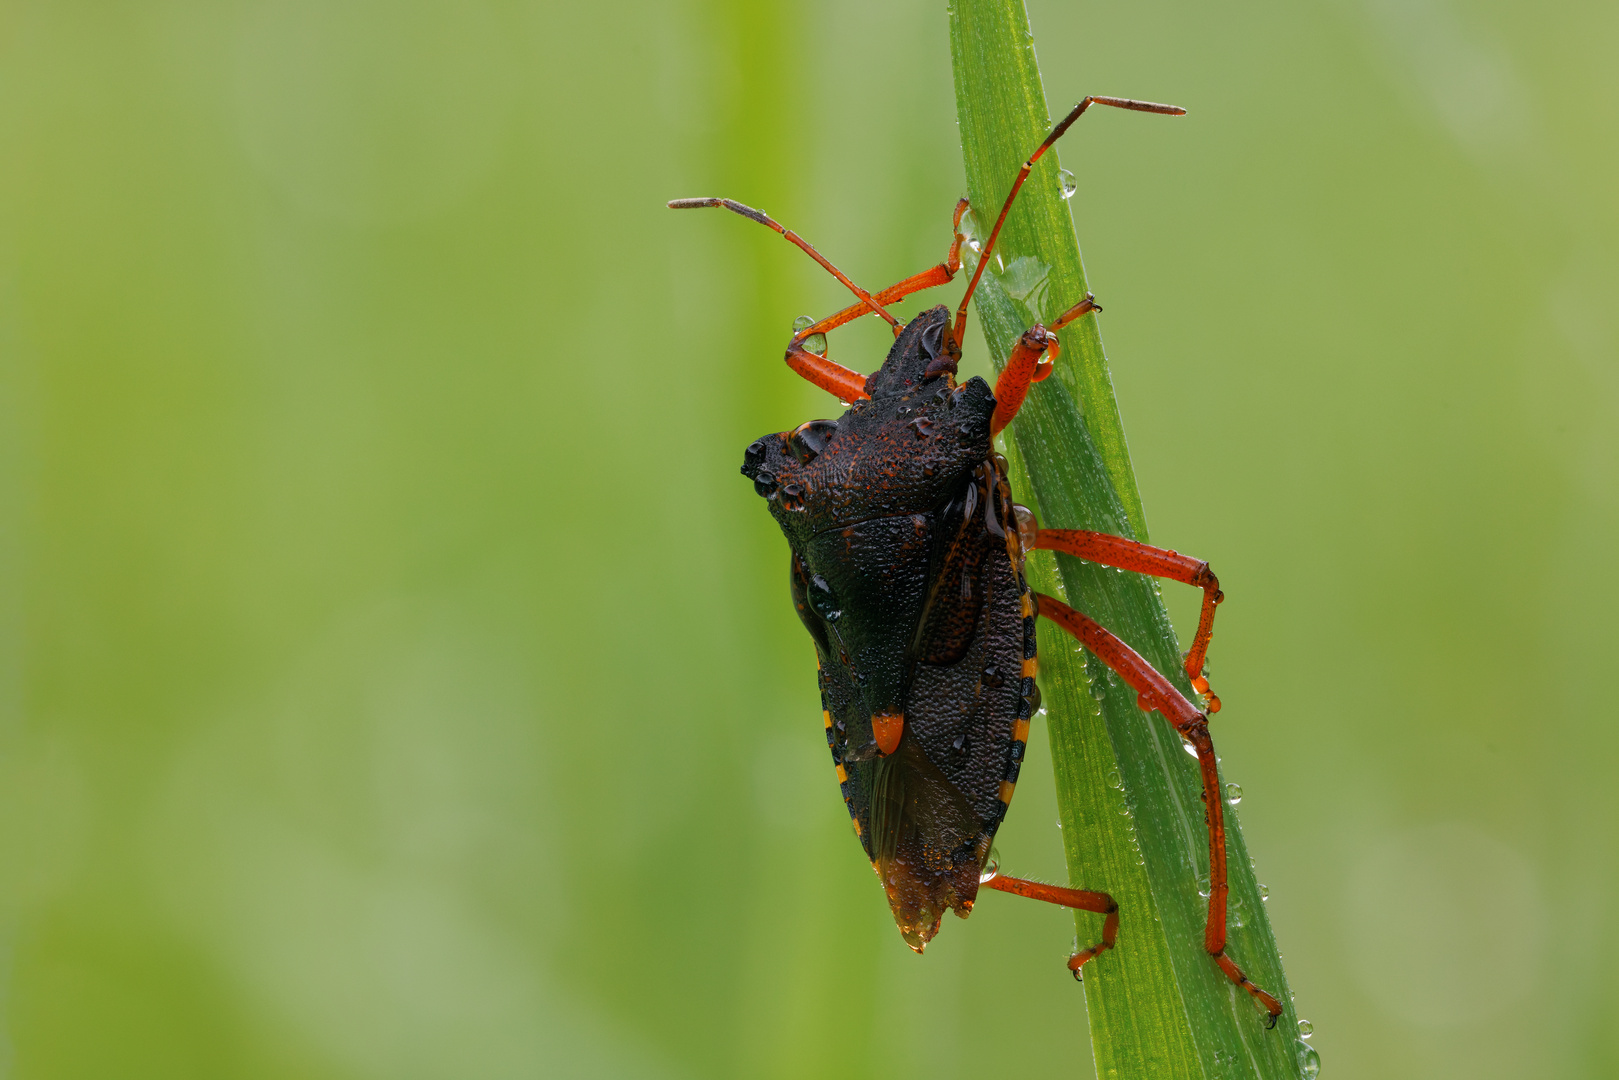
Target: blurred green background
398, 680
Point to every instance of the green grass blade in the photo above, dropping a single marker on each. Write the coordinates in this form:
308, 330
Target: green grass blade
1129, 796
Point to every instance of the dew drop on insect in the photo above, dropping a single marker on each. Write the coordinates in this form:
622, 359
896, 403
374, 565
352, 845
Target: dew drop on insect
1027, 526
1306, 1029
1264, 892
1309, 1060
815, 343
991, 869
1068, 184
1233, 794
803, 322
1189, 748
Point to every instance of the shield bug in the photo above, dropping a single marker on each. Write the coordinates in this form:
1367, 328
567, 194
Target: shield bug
906, 568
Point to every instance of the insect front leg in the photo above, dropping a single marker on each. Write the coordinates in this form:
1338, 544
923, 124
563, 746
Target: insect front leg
1082, 899
1031, 361
1155, 693
927, 279
834, 378
844, 383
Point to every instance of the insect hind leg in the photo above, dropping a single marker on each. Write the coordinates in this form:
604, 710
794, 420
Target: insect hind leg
1155, 693
1079, 899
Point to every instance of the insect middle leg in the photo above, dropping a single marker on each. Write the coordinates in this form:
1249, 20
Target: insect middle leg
1082, 899
1155, 693
1142, 558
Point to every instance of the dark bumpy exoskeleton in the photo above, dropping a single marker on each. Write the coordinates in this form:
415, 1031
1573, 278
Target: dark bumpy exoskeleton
907, 570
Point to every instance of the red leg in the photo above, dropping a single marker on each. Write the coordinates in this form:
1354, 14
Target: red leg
1031, 362
841, 382
927, 279
834, 378
1083, 899
1160, 562
1023, 174
1154, 692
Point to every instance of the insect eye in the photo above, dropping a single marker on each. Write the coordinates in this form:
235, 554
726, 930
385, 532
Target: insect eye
811, 438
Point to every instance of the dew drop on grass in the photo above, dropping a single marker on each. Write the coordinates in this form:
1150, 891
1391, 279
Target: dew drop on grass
1233, 794
1306, 1029
1264, 892
1069, 186
1309, 1060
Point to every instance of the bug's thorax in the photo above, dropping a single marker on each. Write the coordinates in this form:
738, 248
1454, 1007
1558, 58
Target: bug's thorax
903, 450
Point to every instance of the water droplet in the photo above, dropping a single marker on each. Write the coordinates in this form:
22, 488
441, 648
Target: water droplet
1115, 780
803, 322
1264, 892
1203, 886
1233, 794
972, 242
1059, 823
1309, 1061
991, 869
1306, 1029
1069, 186
815, 343
1189, 748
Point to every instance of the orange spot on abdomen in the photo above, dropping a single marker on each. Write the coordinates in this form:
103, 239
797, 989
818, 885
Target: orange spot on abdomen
888, 727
